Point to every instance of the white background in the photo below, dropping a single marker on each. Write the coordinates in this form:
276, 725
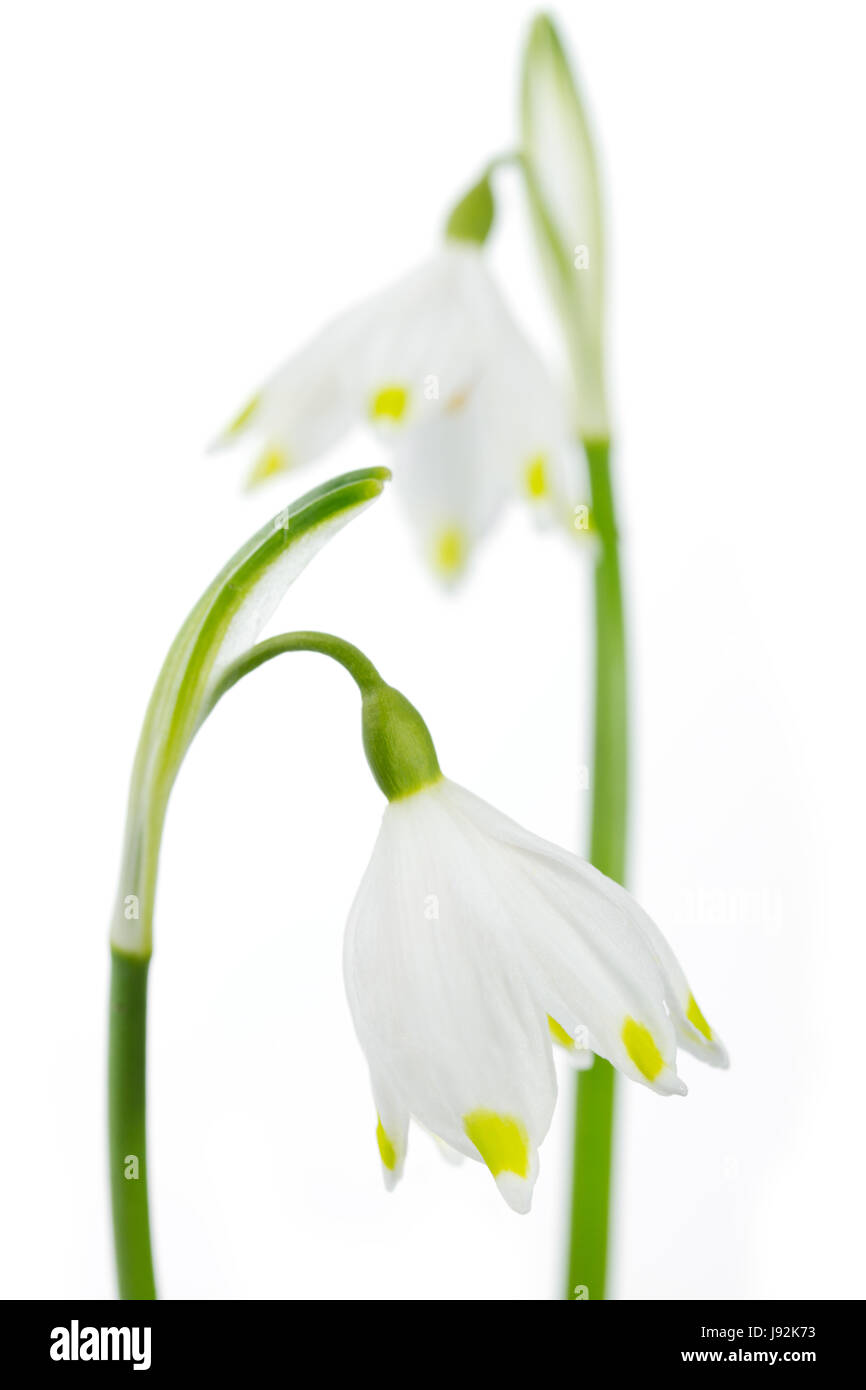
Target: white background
190, 190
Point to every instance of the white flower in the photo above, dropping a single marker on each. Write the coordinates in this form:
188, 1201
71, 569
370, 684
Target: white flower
437, 365
470, 943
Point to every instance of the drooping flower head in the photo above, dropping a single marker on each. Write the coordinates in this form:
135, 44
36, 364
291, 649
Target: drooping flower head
438, 367
472, 946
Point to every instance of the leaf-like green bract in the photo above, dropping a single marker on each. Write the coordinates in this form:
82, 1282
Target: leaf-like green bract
224, 623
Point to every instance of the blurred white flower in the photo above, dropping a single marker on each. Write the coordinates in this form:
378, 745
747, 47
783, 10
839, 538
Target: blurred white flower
438, 366
469, 945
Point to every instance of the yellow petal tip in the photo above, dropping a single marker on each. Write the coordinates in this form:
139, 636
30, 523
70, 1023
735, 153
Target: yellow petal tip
535, 478
387, 1151
558, 1033
501, 1140
641, 1048
697, 1020
449, 551
271, 462
389, 403
243, 417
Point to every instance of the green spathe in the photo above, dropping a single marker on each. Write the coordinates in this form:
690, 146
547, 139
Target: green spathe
183, 693
562, 184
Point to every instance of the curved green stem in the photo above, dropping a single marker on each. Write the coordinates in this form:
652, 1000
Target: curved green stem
397, 742
360, 668
127, 1032
594, 1110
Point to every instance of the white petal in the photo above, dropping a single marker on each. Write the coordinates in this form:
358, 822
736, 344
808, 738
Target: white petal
593, 965
431, 333
392, 1129
416, 343
439, 999
310, 402
527, 432
447, 478
691, 1027
505, 434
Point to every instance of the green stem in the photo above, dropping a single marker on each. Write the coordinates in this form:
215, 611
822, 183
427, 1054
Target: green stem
127, 1037
594, 1110
360, 668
